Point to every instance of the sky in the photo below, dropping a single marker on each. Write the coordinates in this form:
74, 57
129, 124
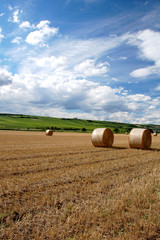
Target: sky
87, 59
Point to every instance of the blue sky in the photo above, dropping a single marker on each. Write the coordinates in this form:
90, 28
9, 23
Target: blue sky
90, 59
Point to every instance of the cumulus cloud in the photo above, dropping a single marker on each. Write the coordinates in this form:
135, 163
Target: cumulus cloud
15, 16
70, 93
26, 25
58, 94
147, 42
140, 105
44, 32
90, 68
43, 24
5, 77
58, 80
121, 117
144, 72
138, 98
50, 62
104, 98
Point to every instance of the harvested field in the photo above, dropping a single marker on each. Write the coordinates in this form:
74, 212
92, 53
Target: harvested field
62, 187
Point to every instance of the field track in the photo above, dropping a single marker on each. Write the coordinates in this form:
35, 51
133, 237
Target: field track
62, 187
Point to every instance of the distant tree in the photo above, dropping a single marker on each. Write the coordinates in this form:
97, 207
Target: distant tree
83, 129
151, 130
116, 130
57, 128
128, 129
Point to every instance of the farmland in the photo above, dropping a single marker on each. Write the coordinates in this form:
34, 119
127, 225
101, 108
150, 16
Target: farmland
39, 123
62, 187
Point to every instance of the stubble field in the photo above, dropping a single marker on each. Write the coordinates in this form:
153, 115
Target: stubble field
62, 187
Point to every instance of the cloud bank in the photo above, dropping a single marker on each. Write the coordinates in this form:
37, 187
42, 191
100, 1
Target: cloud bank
62, 76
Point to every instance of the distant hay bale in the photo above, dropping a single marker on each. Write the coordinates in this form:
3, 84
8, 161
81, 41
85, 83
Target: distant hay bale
155, 134
126, 133
102, 137
140, 138
49, 132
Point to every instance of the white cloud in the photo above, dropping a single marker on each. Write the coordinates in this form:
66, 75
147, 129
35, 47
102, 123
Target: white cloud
15, 16
57, 93
1, 14
26, 25
51, 62
5, 77
138, 102
43, 24
54, 81
1, 35
138, 98
89, 68
115, 79
144, 72
104, 98
10, 7
17, 40
123, 58
149, 45
157, 88
78, 51
149, 49
63, 91
141, 72
121, 117
44, 32
85, 1
150, 115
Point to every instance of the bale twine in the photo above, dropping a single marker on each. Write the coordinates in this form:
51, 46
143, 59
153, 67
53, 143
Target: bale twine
140, 138
102, 137
49, 132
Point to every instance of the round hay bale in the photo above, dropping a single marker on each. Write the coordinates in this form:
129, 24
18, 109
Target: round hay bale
155, 134
102, 137
49, 132
140, 138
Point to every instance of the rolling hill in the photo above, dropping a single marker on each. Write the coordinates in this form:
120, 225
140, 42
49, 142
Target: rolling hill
22, 122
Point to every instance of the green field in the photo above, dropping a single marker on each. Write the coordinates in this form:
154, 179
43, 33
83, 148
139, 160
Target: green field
39, 123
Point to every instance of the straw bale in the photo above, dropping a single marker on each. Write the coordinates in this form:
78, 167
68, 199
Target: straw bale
155, 134
102, 137
49, 132
140, 138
